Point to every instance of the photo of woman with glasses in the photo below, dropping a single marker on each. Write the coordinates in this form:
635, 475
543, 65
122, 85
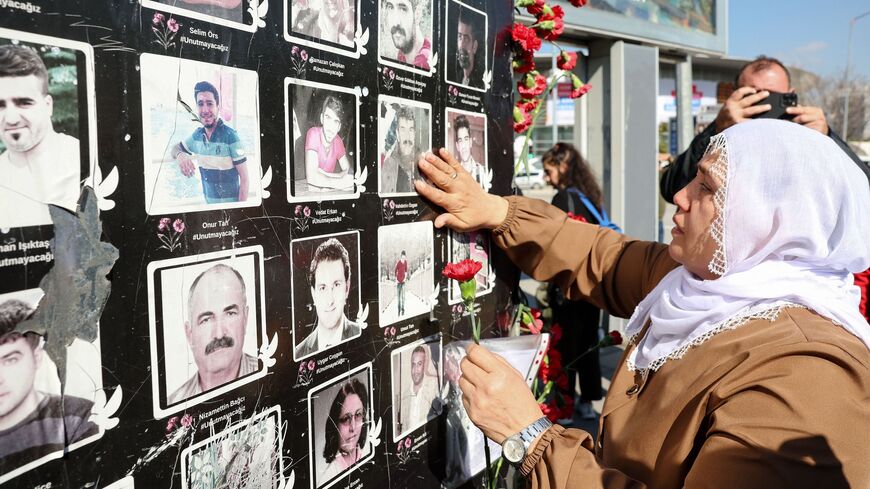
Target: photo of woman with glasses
343, 413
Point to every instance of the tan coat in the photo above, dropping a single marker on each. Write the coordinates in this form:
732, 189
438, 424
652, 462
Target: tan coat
782, 404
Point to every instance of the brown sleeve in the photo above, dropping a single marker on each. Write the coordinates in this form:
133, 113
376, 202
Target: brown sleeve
563, 459
604, 267
797, 417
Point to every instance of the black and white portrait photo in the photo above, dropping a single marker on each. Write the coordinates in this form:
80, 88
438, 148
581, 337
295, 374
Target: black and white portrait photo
340, 417
230, 13
323, 143
202, 136
326, 292
48, 137
247, 455
473, 245
39, 419
404, 134
415, 374
467, 59
405, 270
405, 34
466, 140
207, 325
330, 24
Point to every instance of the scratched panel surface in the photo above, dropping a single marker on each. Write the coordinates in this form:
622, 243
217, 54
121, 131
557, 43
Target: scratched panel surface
214, 271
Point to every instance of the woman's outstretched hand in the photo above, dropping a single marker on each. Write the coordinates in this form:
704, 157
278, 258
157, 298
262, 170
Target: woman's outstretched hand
467, 205
495, 395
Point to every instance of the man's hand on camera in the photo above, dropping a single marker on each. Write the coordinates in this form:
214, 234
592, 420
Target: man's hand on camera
812, 117
740, 107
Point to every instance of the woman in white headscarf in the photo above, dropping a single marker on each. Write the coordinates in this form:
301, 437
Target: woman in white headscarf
748, 363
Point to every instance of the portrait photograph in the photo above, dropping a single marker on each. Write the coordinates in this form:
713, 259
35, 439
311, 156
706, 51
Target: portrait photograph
405, 271
325, 287
467, 58
405, 35
48, 142
39, 418
330, 25
229, 13
466, 139
415, 372
207, 322
464, 441
201, 135
340, 415
404, 134
322, 141
473, 245
247, 455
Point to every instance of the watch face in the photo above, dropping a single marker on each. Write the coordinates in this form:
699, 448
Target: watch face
514, 450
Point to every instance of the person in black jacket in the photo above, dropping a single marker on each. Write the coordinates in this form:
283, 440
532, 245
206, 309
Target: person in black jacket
565, 169
755, 82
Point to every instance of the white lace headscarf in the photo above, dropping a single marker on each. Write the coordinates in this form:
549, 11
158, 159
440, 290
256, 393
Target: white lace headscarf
792, 225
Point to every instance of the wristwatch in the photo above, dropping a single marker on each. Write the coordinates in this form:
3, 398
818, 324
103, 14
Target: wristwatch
515, 446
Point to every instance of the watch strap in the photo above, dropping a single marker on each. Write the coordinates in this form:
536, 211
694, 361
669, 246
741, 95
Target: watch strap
530, 432
532, 459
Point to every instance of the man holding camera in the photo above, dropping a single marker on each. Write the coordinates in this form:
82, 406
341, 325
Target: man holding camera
756, 81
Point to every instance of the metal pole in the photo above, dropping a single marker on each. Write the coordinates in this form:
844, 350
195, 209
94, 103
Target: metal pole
554, 96
846, 83
846, 80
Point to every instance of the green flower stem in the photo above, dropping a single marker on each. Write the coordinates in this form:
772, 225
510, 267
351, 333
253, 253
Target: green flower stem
524, 153
492, 484
475, 335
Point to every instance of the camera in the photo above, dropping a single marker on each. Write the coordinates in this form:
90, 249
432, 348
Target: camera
778, 103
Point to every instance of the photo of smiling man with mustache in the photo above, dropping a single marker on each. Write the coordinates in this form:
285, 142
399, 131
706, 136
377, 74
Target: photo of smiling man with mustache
217, 316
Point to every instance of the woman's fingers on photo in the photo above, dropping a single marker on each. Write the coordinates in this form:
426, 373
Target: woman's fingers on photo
435, 174
444, 169
451, 222
434, 194
472, 372
482, 358
450, 160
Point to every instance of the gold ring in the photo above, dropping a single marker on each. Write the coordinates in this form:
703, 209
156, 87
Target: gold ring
455, 174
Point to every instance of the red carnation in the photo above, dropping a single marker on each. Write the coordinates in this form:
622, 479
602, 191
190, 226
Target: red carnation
528, 105
523, 62
580, 88
462, 271
550, 29
522, 120
579, 92
554, 358
562, 381
578, 3
536, 7
525, 37
551, 412
615, 338
566, 61
532, 85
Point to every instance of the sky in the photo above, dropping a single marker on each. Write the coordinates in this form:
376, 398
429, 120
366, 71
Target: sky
810, 35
